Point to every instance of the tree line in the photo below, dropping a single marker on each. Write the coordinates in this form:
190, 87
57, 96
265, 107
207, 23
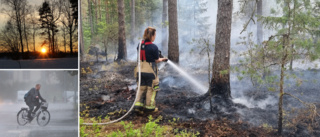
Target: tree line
54, 23
100, 23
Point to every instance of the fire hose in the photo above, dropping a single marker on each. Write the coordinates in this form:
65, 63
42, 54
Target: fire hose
135, 100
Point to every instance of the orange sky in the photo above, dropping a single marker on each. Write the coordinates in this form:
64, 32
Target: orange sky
39, 39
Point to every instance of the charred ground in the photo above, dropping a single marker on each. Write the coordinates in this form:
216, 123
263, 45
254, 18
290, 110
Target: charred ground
108, 89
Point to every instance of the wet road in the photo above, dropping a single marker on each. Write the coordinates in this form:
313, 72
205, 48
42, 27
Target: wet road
70, 63
63, 123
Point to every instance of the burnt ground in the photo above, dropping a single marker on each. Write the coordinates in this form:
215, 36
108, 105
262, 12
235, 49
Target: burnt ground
108, 89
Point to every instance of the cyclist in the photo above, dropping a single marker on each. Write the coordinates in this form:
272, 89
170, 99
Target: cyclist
32, 100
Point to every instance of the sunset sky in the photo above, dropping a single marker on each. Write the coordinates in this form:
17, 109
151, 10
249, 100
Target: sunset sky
4, 17
39, 39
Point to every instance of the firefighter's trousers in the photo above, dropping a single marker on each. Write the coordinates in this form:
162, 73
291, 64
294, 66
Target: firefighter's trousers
148, 87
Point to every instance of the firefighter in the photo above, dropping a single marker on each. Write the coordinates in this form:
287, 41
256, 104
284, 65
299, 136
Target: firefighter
149, 57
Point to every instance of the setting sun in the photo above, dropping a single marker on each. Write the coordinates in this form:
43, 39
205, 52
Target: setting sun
43, 50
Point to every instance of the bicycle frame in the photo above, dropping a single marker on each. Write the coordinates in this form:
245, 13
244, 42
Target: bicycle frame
42, 109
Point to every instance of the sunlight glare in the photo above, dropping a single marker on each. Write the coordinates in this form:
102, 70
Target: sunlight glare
43, 50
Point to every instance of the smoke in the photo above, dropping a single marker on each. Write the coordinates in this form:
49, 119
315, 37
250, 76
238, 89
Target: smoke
196, 20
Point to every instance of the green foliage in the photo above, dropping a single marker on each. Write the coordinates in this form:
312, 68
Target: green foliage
296, 25
174, 122
105, 21
83, 129
184, 133
152, 128
130, 132
296, 37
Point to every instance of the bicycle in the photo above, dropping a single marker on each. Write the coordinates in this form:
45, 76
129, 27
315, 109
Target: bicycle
42, 115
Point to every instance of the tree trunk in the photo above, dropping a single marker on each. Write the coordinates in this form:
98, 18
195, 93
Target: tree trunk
259, 23
99, 10
97, 54
286, 39
53, 40
173, 32
292, 57
70, 41
106, 48
280, 113
90, 18
96, 17
34, 41
133, 20
122, 49
164, 41
49, 39
64, 40
25, 33
19, 27
81, 32
220, 82
107, 11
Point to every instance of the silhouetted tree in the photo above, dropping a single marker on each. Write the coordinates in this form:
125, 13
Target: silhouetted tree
70, 21
49, 15
9, 38
16, 13
34, 26
45, 19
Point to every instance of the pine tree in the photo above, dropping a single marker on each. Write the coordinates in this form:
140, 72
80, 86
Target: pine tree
122, 49
173, 51
220, 82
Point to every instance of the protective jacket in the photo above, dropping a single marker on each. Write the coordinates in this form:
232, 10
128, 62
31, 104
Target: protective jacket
31, 98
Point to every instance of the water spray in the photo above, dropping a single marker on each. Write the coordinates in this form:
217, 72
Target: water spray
202, 88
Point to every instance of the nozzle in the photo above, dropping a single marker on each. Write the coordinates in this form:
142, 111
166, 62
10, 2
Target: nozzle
160, 55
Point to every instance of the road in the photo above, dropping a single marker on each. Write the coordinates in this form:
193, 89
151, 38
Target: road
56, 63
63, 123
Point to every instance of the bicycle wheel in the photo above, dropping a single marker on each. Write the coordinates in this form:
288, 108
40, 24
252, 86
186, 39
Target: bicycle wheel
43, 118
22, 117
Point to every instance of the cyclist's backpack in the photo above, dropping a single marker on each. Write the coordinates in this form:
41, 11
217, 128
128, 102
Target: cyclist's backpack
26, 97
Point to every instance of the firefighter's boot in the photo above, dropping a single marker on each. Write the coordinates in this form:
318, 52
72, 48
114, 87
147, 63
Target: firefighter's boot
150, 100
139, 105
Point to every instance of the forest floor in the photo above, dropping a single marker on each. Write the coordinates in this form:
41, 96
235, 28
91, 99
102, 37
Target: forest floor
107, 91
